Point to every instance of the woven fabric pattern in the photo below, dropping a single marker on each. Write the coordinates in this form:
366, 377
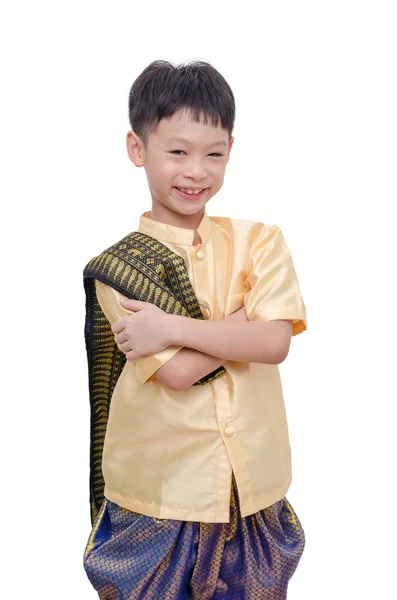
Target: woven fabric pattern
134, 557
141, 268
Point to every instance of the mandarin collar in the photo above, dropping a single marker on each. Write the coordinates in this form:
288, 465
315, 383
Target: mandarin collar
176, 235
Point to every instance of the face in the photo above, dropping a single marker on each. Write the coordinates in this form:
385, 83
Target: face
181, 157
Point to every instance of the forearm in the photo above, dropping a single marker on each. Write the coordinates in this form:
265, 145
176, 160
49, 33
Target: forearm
188, 365
257, 341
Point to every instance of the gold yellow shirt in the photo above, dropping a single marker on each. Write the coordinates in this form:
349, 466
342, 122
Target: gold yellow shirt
170, 454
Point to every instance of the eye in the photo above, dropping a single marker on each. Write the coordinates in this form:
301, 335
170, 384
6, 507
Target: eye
216, 154
176, 151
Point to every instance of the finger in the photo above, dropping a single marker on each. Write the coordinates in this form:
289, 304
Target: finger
125, 347
120, 338
118, 326
132, 355
134, 305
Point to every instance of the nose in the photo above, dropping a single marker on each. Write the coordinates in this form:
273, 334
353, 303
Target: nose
195, 170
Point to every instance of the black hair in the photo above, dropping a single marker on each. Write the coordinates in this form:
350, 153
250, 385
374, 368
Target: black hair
163, 88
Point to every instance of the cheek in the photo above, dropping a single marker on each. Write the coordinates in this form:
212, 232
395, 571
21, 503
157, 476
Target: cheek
170, 169
218, 172
165, 171
161, 172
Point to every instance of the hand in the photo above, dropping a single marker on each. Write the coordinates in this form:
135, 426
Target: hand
147, 331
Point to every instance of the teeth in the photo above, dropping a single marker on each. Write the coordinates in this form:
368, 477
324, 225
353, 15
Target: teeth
190, 191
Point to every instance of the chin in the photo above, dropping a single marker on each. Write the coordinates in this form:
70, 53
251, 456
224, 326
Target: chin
190, 210
185, 209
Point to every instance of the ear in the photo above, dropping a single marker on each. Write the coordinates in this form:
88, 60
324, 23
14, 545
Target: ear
230, 147
135, 149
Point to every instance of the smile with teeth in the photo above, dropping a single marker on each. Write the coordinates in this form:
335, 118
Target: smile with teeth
190, 191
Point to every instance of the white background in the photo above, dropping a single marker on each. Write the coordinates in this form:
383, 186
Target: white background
315, 152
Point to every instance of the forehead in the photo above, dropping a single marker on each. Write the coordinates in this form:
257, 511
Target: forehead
181, 127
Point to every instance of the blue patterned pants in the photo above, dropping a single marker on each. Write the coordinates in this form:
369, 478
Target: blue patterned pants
130, 556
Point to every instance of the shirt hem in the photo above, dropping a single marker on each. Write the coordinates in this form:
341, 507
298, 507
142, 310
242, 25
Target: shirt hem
264, 501
165, 512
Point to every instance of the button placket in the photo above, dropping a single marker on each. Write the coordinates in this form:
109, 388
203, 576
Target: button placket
229, 431
201, 276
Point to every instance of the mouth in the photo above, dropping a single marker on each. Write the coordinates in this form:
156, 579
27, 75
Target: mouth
191, 194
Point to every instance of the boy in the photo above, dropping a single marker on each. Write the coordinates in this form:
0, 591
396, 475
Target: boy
187, 321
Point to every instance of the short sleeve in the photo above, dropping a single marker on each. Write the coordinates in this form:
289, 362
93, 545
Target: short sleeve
274, 291
146, 366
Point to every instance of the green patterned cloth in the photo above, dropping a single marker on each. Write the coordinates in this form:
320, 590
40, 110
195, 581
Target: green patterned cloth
140, 268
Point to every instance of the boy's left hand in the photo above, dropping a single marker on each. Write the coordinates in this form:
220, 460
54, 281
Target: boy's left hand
145, 332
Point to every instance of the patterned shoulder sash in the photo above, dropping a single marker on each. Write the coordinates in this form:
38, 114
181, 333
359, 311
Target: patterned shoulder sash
141, 268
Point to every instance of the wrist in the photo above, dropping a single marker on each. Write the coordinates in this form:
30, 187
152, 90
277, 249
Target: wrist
176, 330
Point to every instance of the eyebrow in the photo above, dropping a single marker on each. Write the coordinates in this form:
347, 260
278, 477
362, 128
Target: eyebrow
183, 141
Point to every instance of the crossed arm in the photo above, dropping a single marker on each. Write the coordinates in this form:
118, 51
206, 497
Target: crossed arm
188, 365
142, 330
268, 341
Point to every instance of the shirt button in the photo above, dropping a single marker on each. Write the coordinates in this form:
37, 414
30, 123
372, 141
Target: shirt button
199, 255
206, 312
229, 431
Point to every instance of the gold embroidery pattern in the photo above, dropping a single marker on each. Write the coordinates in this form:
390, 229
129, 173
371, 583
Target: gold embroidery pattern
134, 556
142, 268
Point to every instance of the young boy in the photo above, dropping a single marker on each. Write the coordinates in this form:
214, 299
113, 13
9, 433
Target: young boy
187, 321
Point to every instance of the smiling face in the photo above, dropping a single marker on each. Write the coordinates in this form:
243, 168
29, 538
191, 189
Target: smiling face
182, 156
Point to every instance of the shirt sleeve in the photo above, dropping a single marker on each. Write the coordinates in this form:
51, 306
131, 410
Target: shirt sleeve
274, 291
146, 366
